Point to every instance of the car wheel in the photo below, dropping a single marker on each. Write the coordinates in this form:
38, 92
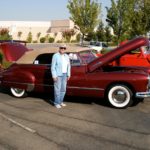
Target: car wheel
120, 96
17, 92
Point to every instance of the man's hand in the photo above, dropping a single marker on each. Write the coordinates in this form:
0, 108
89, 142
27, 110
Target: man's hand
55, 79
68, 78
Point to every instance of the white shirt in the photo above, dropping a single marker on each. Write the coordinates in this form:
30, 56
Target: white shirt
64, 64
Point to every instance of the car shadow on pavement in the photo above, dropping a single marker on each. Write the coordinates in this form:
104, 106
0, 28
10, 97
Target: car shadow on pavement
4, 90
48, 98
86, 100
72, 99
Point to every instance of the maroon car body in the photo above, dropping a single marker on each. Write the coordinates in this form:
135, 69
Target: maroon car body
91, 78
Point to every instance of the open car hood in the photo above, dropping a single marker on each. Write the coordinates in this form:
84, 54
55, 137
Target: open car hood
13, 50
117, 52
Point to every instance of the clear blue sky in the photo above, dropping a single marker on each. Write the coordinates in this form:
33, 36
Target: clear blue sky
38, 10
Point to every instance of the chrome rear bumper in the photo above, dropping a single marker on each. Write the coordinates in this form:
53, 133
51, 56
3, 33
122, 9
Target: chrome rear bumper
142, 94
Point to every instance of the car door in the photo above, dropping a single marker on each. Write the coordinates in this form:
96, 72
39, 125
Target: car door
77, 74
76, 84
43, 72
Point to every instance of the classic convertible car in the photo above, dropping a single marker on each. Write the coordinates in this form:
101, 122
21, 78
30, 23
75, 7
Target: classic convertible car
90, 77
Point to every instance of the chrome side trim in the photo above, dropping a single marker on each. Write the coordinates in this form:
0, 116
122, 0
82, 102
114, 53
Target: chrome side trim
142, 94
84, 88
30, 86
75, 87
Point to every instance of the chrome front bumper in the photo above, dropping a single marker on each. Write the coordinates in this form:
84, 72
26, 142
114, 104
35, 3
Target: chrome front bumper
142, 94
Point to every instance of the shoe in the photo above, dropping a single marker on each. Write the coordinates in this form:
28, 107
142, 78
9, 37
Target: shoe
62, 104
58, 106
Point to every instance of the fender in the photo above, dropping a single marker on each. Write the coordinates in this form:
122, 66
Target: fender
12, 79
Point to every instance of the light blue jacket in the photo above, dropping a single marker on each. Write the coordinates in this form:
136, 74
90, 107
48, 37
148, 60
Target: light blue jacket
56, 65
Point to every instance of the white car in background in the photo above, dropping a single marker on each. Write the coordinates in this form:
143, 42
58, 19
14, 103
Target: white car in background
98, 45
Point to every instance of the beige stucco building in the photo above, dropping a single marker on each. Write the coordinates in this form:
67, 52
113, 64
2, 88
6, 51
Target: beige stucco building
52, 28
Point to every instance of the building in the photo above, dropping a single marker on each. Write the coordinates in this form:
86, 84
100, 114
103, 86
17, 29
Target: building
20, 29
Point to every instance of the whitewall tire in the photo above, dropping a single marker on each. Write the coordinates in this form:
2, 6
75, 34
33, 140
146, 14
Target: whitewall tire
120, 96
16, 92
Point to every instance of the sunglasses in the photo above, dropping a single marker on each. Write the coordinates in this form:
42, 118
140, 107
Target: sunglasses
63, 48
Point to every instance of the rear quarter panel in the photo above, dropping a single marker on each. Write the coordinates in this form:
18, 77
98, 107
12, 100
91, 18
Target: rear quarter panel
21, 75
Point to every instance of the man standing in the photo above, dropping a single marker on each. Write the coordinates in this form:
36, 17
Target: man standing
60, 69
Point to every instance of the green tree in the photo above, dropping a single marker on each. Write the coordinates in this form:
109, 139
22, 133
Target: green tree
78, 37
29, 37
38, 36
91, 36
100, 33
67, 34
108, 35
140, 23
85, 14
129, 18
4, 34
119, 18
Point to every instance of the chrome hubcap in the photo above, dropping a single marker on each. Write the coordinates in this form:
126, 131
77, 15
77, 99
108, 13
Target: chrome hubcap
119, 96
18, 91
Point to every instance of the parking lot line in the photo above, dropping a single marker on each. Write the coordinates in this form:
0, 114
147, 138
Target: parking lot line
18, 124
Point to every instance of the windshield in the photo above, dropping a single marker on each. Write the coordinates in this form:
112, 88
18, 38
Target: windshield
87, 56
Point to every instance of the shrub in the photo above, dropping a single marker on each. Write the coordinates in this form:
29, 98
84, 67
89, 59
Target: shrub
67, 34
6, 64
4, 34
51, 40
78, 37
1, 58
3, 62
29, 38
42, 39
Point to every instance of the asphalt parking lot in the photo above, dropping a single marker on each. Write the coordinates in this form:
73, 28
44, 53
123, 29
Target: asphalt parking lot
32, 123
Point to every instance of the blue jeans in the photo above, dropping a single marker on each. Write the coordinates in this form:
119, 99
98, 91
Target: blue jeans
60, 89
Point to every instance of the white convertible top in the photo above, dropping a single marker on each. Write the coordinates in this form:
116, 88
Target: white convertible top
30, 56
